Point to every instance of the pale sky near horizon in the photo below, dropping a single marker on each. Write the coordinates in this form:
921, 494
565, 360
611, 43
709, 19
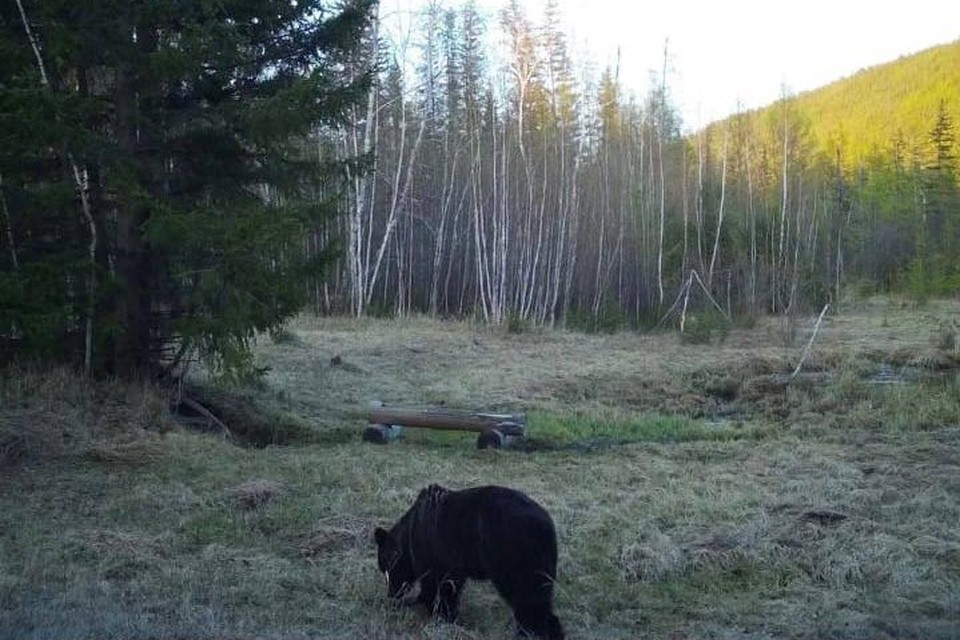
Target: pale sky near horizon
746, 51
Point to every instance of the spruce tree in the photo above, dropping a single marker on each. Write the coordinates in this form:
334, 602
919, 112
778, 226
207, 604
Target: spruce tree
192, 127
941, 202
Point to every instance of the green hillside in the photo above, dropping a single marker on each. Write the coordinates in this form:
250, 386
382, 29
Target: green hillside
866, 111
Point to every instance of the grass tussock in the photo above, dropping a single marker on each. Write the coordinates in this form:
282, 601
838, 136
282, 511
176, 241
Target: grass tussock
51, 414
334, 534
254, 494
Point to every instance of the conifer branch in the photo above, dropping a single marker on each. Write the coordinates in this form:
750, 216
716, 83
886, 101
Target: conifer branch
81, 181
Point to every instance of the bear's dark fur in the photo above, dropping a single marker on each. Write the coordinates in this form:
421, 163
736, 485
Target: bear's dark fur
484, 533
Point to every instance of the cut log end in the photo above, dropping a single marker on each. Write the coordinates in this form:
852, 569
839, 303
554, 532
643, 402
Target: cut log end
497, 439
382, 433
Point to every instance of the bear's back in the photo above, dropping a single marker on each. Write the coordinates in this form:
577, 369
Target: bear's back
488, 532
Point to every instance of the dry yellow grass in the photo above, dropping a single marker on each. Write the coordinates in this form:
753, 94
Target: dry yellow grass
834, 518
419, 361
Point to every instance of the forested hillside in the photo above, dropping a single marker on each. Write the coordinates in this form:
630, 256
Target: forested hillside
880, 149
894, 103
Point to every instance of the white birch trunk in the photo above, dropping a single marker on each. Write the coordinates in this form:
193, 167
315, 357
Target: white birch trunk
80, 178
723, 191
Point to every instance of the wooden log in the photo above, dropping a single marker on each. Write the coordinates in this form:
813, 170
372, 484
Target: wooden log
506, 424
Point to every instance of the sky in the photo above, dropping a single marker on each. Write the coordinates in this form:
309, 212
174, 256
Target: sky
747, 52
743, 50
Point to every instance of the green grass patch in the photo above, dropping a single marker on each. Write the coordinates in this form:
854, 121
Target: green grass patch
931, 404
583, 428
597, 429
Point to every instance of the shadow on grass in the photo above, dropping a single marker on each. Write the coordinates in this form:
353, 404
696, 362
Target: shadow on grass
255, 426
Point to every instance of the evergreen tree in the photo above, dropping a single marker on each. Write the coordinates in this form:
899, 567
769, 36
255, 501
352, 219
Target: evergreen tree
183, 130
941, 203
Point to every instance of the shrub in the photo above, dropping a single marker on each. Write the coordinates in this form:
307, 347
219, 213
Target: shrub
705, 327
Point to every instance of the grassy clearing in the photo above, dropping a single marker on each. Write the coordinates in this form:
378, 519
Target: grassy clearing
696, 495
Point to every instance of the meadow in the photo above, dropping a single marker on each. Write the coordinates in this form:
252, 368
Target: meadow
699, 490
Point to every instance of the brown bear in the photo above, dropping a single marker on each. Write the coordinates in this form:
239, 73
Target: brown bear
484, 533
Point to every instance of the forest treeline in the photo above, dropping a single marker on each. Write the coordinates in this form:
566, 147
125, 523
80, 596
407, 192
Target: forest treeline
525, 188
515, 183
173, 182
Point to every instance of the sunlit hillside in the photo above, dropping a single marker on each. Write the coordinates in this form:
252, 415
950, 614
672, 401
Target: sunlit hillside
867, 112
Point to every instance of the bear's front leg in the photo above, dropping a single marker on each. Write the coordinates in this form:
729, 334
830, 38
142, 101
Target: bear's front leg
428, 591
448, 603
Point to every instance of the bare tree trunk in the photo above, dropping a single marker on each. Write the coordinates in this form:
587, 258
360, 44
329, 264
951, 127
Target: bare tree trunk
598, 280
567, 239
781, 258
446, 201
80, 183
363, 190
723, 191
572, 247
660, 133
502, 235
479, 229
8, 228
839, 249
532, 284
700, 214
753, 235
795, 277
399, 195
686, 214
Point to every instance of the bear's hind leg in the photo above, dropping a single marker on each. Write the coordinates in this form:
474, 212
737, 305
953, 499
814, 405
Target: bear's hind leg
538, 621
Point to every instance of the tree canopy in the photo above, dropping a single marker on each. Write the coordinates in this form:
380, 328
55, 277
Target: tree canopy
159, 170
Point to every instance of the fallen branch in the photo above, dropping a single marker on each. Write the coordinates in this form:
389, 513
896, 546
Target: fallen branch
684, 295
206, 414
706, 292
685, 288
813, 336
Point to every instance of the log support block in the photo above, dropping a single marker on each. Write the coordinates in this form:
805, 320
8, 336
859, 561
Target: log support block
382, 433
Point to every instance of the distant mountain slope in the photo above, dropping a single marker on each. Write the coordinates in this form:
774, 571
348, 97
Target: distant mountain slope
866, 111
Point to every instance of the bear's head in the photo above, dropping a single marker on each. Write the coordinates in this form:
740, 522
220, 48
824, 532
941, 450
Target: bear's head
394, 562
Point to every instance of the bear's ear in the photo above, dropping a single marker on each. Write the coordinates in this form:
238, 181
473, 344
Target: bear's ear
382, 537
